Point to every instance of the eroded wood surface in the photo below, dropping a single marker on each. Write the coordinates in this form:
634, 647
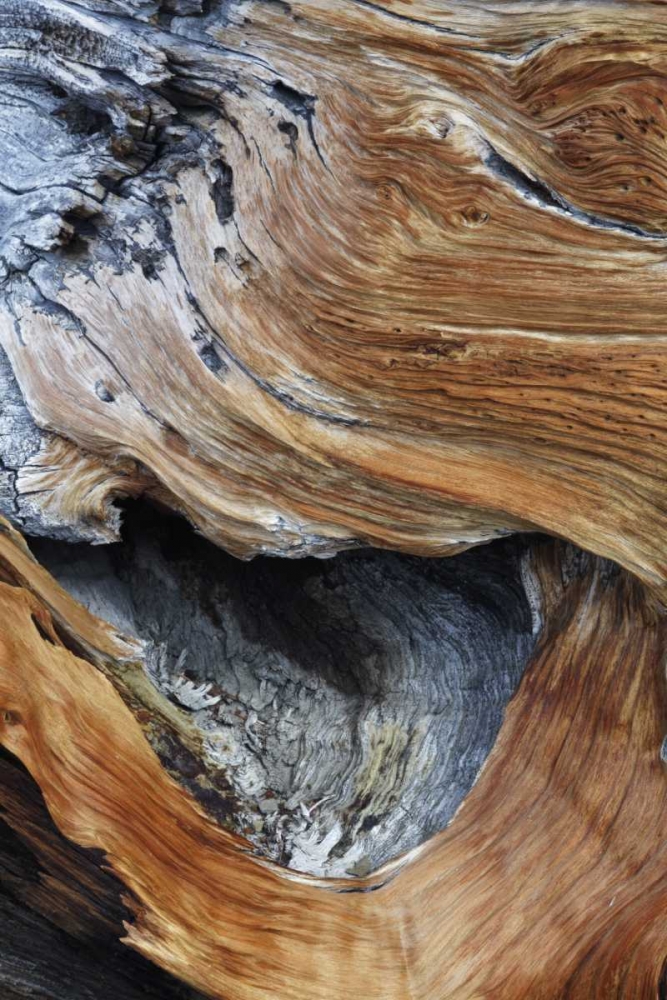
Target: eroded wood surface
323, 275
337, 272
349, 703
549, 883
62, 911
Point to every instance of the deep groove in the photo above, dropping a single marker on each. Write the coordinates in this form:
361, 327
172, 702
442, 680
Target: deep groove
286, 657
540, 193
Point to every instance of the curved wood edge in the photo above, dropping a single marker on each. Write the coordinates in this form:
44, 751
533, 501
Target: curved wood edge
325, 274
549, 883
62, 911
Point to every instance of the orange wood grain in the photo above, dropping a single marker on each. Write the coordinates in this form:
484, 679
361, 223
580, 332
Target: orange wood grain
549, 883
438, 318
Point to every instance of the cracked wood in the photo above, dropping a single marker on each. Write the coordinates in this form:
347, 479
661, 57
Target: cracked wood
548, 884
340, 273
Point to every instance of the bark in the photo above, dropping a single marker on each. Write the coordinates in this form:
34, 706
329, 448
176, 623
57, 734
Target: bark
317, 280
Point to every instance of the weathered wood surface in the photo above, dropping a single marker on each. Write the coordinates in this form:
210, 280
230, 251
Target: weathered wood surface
549, 883
349, 703
62, 911
336, 272
324, 275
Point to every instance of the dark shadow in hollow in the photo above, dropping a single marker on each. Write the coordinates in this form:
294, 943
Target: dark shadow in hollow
62, 911
351, 701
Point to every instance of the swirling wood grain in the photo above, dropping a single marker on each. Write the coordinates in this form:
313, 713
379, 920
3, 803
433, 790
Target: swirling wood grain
548, 884
329, 273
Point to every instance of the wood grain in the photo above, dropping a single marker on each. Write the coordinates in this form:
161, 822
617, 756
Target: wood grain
322, 275
63, 911
346, 705
332, 273
549, 883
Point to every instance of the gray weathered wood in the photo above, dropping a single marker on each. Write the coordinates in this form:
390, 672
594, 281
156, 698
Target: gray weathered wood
350, 703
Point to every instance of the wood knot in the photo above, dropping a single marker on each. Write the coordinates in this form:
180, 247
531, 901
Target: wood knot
389, 190
474, 217
10, 717
443, 126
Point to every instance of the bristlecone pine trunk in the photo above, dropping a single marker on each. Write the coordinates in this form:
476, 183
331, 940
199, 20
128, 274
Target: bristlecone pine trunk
378, 289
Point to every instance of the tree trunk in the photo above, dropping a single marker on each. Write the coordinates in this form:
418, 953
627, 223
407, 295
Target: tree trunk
323, 279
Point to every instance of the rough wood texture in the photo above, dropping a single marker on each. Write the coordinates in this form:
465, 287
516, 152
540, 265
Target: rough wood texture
318, 276
549, 883
350, 703
62, 911
335, 272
